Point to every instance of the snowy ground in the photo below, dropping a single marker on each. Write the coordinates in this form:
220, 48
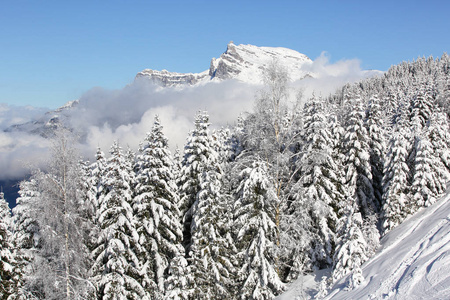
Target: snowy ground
305, 287
413, 262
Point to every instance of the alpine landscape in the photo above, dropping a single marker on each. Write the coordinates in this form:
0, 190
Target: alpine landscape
269, 175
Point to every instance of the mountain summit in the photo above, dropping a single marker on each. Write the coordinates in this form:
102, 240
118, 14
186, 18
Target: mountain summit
241, 62
244, 63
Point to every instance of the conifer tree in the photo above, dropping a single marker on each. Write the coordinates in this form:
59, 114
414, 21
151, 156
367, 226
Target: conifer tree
221, 140
202, 203
257, 235
355, 238
312, 211
427, 183
442, 84
156, 211
395, 182
377, 148
98, 169
439, 136
208, 253
7, 261
357, 161
25, 227
351, 247
391, 108
320, 182
26, 236
116, 267
197, 160
422, 108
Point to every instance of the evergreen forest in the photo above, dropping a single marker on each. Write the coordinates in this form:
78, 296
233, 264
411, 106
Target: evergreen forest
240, 212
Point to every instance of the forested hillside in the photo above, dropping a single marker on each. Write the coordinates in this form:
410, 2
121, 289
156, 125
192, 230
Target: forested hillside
240, 212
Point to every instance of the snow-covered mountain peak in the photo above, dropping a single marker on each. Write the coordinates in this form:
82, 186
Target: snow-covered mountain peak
241, 62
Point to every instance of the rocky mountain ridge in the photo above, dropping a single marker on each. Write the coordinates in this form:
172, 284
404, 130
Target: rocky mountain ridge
241, 62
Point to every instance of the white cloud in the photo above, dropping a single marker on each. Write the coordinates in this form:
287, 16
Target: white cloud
328, 77
12, 115
20, 152
131, 134
344, 68
126, 115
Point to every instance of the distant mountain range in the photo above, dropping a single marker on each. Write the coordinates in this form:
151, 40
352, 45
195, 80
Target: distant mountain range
244, 63
46, 124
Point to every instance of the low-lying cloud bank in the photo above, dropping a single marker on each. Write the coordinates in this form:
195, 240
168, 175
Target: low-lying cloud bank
127, 114
11, 115
21, 152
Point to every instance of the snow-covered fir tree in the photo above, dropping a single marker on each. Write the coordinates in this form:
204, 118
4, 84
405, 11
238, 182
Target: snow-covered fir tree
202, 206
196, 161
26, 229
98, 169
320, 182
26, 235
439, 136
357, 235
116, 269
209, 255
156, 212
7, 261
93, 177
351, 247
377, 147
357, 160
422, 108
257, 234
308, 225
395, 182
426, 184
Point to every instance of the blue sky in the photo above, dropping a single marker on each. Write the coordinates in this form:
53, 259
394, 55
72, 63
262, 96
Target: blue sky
54, 51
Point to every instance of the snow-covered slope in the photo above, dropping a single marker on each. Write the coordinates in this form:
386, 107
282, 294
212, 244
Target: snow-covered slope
413, 262
241, 62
